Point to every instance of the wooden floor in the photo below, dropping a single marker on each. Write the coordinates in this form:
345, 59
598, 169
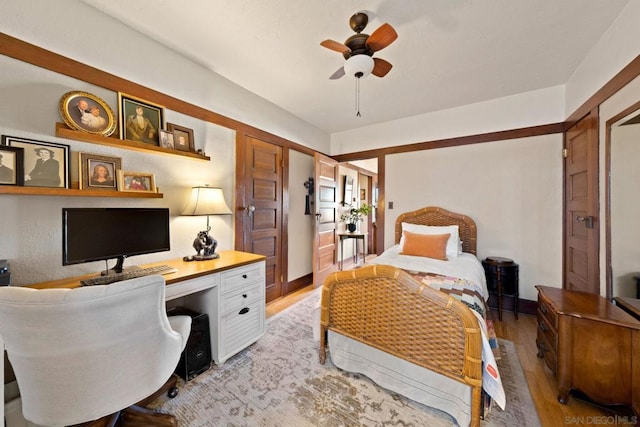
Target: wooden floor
542, 384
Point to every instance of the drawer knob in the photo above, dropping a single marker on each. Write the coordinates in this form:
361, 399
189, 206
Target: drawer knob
543, 327
244, 310
543, 309
244, 276
244, 295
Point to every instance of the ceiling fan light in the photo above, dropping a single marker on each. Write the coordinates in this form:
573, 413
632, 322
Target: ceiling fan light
359, 66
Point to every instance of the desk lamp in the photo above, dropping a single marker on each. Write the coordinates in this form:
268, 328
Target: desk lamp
205, 201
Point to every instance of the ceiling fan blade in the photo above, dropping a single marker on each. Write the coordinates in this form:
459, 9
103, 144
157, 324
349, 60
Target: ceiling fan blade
380, 67
381, 38
339, 73
337, 46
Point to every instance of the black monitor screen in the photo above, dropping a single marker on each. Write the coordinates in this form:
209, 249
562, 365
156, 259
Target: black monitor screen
94, 234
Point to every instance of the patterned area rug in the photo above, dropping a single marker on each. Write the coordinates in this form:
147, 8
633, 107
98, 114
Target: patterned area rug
278, 381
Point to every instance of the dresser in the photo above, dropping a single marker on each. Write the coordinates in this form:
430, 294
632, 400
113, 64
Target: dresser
589, 344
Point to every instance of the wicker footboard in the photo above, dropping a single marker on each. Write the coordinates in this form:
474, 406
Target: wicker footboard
384, 307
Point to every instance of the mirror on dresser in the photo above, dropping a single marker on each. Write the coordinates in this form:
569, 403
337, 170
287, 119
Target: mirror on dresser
622, 171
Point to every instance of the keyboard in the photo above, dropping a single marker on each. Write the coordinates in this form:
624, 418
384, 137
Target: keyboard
126, 275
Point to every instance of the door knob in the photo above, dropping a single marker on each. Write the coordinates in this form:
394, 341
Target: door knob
318, 216
250, 209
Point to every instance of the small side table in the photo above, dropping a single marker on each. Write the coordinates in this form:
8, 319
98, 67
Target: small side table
357, 236
502, 279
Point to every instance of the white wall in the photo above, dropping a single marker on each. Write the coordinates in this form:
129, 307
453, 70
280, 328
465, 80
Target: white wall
32, 240
29, 98
78, 31
512, 189
301, 226
617, 48
620, 101
523, 110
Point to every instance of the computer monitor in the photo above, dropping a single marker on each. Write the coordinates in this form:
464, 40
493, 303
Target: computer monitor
95, 234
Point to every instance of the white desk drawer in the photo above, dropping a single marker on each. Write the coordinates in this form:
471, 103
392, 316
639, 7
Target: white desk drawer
242, 275
240, 297
240, 330
187, 287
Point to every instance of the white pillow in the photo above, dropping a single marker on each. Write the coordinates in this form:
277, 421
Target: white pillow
452, 244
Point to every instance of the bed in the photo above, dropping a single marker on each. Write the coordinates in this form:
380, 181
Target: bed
409, 325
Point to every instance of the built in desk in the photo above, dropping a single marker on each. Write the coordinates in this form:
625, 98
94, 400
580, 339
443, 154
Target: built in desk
230, 289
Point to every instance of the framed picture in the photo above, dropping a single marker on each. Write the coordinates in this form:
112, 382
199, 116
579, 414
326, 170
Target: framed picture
99, 172
136, 181
87, 113
166, 139
11, 165
45, 164
140, 120
182, 137
363, 194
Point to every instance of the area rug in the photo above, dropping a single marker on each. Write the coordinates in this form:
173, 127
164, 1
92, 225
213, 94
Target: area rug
279, 382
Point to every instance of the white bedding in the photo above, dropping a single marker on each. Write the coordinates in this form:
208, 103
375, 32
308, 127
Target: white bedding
410, 380
466, 266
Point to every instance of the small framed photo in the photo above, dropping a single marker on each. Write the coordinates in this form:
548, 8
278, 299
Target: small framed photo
182, 137
11, 165
87, 113
140, 120
166, 139
136, 181
45, 164
99, 172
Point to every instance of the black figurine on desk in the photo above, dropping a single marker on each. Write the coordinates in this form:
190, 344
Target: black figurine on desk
206, 244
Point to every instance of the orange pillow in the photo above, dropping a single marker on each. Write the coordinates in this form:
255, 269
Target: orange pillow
426, 245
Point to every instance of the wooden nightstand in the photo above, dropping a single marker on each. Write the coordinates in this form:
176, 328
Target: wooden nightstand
502, 279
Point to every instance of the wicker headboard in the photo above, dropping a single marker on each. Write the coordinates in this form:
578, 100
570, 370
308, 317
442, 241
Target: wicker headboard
433, 215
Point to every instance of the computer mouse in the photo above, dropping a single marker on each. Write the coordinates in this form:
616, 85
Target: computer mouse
188, 258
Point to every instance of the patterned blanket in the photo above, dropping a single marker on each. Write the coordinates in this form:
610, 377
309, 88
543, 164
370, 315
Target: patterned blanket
461, 289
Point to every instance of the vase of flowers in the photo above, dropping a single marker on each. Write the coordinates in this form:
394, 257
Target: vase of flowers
354, 215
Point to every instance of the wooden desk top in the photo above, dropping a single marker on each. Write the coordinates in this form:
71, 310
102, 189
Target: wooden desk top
186, 269
586, 305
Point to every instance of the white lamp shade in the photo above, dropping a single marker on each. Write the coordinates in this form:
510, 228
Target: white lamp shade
359, 64
207, 201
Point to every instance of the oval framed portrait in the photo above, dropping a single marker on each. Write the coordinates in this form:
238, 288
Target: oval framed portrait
86, 112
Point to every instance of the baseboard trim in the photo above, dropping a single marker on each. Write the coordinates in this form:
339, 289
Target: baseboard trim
525, 306
298, 283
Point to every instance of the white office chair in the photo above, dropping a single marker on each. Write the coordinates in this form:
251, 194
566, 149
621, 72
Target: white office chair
85, 353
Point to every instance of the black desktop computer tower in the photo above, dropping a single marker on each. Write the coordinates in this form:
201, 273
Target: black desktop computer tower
5, 273
196, 357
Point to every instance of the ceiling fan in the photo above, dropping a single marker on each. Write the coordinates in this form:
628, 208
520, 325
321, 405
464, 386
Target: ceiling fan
359, 49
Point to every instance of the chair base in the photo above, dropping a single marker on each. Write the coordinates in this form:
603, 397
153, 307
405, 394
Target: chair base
138, 415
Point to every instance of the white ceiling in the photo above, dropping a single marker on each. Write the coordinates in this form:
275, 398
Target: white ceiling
448, 52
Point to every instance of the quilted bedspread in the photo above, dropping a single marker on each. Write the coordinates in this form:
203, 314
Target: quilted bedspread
461, 289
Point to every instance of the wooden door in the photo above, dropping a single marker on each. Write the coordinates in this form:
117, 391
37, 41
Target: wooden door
326, 207
581, 228
259, 220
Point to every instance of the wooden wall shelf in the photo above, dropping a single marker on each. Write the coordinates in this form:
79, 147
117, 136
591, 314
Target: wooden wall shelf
63, 131
47, 191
